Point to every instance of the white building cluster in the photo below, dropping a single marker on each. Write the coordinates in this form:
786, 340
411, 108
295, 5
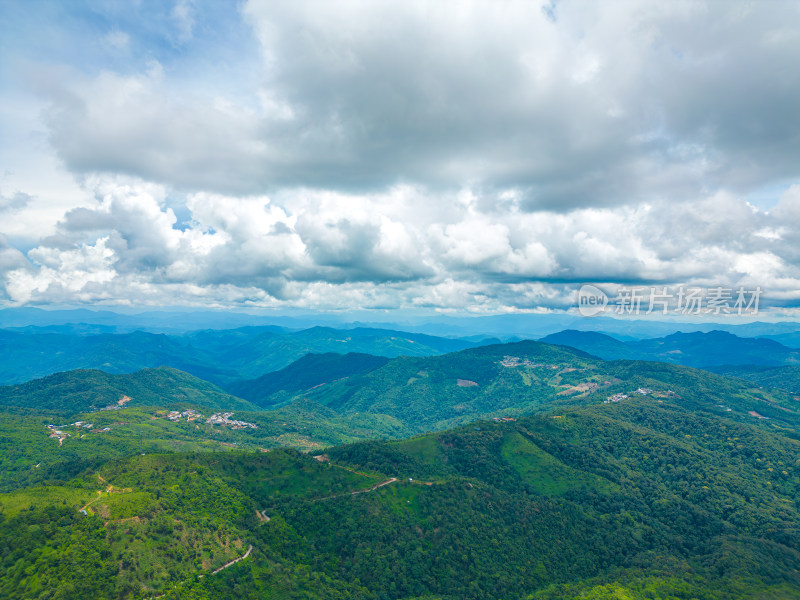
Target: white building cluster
225, 419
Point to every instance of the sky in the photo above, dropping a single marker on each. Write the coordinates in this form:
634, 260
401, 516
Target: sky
455, 157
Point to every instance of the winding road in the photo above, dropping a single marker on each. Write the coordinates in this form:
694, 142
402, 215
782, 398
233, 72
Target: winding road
234, 561
362, 491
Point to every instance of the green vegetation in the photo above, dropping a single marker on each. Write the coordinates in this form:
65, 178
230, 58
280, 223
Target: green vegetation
85, 390
638, 499
785, 378
696, 349
509, 380
545, 474
686, 486
219, 356
438, 392
403, 397
29, 457
306, 373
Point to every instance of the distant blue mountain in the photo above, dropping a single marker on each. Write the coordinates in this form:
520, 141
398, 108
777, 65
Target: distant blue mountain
695, 349
218, 356
593, 342
502, 327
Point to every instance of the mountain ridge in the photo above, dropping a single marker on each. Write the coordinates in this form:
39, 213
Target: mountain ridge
86, 390
693, 349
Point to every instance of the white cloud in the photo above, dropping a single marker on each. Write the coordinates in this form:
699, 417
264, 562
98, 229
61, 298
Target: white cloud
64, 275
323, 250
480, 156
612, 103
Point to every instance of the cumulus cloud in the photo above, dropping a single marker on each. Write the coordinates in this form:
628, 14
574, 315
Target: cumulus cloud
11, 259
472, 156
14, 201
328, 250
604, 104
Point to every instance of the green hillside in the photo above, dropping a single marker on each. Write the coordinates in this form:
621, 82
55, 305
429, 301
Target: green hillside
637, 499
696, 349
557, 475
436, 392
219, 356
403, 397
308, 372
507, 380
786, 377
37, 449
87, 390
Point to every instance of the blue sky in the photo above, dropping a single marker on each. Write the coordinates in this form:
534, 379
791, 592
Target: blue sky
431, 156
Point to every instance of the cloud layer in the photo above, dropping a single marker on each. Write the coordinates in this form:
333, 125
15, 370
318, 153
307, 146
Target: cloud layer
331, 250
471, 155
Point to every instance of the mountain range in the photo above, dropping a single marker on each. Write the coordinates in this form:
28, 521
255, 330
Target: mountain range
507, 327
526, 470
219, 356
694, 349
647, 497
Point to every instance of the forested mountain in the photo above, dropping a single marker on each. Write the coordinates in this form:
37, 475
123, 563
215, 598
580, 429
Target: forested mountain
306, 373
593, 342
437, 392
219, 356
785, 378
225, 357
252, 352
643, 498
789, 338
406, 395
87, 390
702, 350
31, 355
566, 476
434, 392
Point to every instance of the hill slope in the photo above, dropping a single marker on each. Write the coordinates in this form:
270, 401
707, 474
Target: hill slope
637, 499
220, 356
438, 392
305, 373
87, 390
702, 350
786, 377
592, 342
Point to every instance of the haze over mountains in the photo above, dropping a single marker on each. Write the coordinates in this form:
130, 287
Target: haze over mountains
219, 356
504, 327
695, 349
224, 356
409, 394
